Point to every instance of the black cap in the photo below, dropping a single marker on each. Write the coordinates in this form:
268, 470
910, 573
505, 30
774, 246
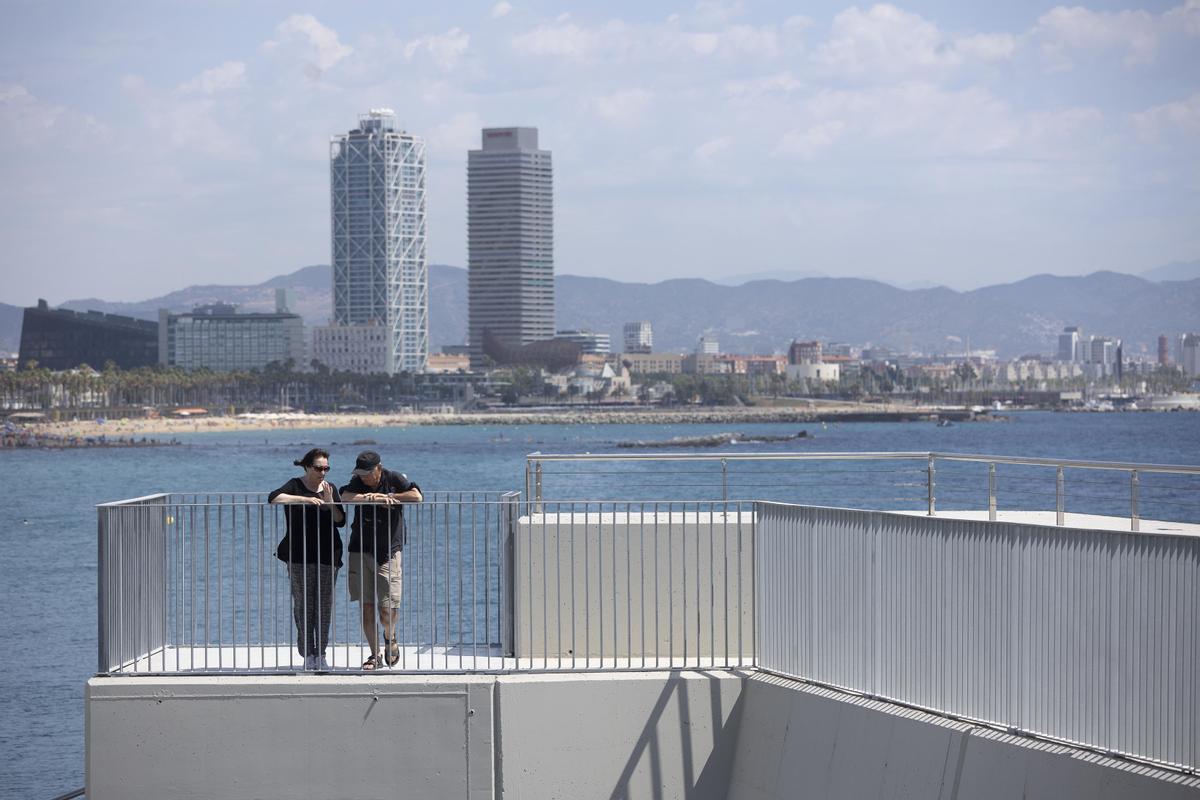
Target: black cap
367, 460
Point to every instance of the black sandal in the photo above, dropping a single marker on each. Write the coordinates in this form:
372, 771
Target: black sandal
392, 650
371, 663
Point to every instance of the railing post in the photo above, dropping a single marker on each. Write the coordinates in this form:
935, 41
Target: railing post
724, 480
1134, 520
992, 491
538, 487
930, 483
1060, 500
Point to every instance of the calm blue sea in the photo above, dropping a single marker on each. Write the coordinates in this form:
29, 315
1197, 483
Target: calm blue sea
48, 572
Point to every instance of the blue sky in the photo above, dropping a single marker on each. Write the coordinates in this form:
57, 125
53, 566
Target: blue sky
150, 146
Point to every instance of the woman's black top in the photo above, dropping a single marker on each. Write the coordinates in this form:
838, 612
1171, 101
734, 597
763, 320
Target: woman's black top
312, 535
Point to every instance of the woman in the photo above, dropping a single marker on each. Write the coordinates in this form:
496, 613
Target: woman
312, 550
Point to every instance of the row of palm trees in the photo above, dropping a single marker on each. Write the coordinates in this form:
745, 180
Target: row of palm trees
35, 387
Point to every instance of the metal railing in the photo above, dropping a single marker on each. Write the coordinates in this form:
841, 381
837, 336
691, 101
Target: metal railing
926, 481
1085, 637
191, 583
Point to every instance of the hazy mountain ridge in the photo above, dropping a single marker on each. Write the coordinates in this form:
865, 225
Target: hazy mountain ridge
763, 316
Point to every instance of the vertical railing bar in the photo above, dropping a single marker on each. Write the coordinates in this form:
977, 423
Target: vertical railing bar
545, 598
992, 491
1059, 498
1134, 519
930, 484
628, 588
220, 585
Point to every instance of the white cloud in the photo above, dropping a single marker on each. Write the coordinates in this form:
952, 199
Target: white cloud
625, 107
887, 40
445, 48
321, 42
230, 75
707, 151
1063, 30
501, 9
1181, 115
456, 135
1186, 17
29, 121
779, 83
806, 144
619, 41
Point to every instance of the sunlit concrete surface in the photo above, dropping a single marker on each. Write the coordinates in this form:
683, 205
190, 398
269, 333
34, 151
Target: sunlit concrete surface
1091, 522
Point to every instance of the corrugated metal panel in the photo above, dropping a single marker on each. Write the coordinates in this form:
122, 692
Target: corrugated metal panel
1083, 636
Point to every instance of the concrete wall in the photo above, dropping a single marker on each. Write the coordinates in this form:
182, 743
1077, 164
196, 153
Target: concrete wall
635, 735
306, 736
660, 735
802, 742
586, 584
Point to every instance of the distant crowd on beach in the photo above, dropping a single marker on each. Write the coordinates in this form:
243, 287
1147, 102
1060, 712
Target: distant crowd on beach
16, 436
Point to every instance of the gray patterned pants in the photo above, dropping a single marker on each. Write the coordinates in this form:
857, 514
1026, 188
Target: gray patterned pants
312, 605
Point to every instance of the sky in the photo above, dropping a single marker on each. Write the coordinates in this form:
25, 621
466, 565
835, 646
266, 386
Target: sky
149, 146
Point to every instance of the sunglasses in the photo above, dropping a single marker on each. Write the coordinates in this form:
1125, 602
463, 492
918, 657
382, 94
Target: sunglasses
320, 469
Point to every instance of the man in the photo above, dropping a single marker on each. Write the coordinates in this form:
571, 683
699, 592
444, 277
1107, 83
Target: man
376, 545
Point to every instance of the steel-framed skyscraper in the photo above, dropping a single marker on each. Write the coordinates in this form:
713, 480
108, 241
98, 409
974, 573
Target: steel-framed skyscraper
377, 207
510, 240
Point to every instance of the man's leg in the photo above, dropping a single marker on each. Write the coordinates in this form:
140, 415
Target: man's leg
369, 629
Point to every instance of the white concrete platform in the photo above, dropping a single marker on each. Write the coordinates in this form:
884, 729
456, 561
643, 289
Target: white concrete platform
1091, 522
413, 659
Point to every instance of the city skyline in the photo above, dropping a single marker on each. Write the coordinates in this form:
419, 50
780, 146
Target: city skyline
919, 142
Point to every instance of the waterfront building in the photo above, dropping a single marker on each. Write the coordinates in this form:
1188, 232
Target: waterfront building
639, 337
1069, 345
654, 363
766, 365
1189, 360
1103, 357
708, 345
804, 353
444, 363
1164, 353
218, 338
702, 363
59, 339
510, 241
363, 349
378, 231
590, 342
820, 373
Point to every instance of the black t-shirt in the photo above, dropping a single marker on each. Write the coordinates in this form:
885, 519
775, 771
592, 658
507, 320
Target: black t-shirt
381, 526
312, 535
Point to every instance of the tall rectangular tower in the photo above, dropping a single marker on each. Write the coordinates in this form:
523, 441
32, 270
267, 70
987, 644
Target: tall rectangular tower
510, 240
377, 202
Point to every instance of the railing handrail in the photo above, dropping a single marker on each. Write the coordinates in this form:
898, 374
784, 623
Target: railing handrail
1073, 463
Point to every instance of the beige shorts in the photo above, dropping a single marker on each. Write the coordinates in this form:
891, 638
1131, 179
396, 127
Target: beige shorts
375, 584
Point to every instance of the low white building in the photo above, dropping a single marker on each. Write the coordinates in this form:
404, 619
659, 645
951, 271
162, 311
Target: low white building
362, 349
823, 373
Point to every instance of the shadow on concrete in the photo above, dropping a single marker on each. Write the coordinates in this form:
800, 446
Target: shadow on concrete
712, 782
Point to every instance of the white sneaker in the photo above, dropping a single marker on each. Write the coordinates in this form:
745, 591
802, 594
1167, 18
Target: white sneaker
322, 664
310, 663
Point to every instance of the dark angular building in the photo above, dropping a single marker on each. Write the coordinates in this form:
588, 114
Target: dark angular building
60, 339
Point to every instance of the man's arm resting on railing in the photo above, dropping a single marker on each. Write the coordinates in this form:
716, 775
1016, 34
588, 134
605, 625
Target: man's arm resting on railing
412, 495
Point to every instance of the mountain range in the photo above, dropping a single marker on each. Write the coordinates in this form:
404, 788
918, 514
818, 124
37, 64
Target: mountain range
763, 316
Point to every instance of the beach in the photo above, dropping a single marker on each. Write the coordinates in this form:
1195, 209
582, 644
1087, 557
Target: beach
166, 426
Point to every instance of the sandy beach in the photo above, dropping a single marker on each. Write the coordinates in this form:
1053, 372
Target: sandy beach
169, 426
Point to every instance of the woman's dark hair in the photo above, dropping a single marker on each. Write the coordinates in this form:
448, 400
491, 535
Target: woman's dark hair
311, 456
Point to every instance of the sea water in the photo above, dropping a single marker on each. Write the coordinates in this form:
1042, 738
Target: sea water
48, 568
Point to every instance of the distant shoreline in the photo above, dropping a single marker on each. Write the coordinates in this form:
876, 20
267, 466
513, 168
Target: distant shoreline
566, 416
819, 411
